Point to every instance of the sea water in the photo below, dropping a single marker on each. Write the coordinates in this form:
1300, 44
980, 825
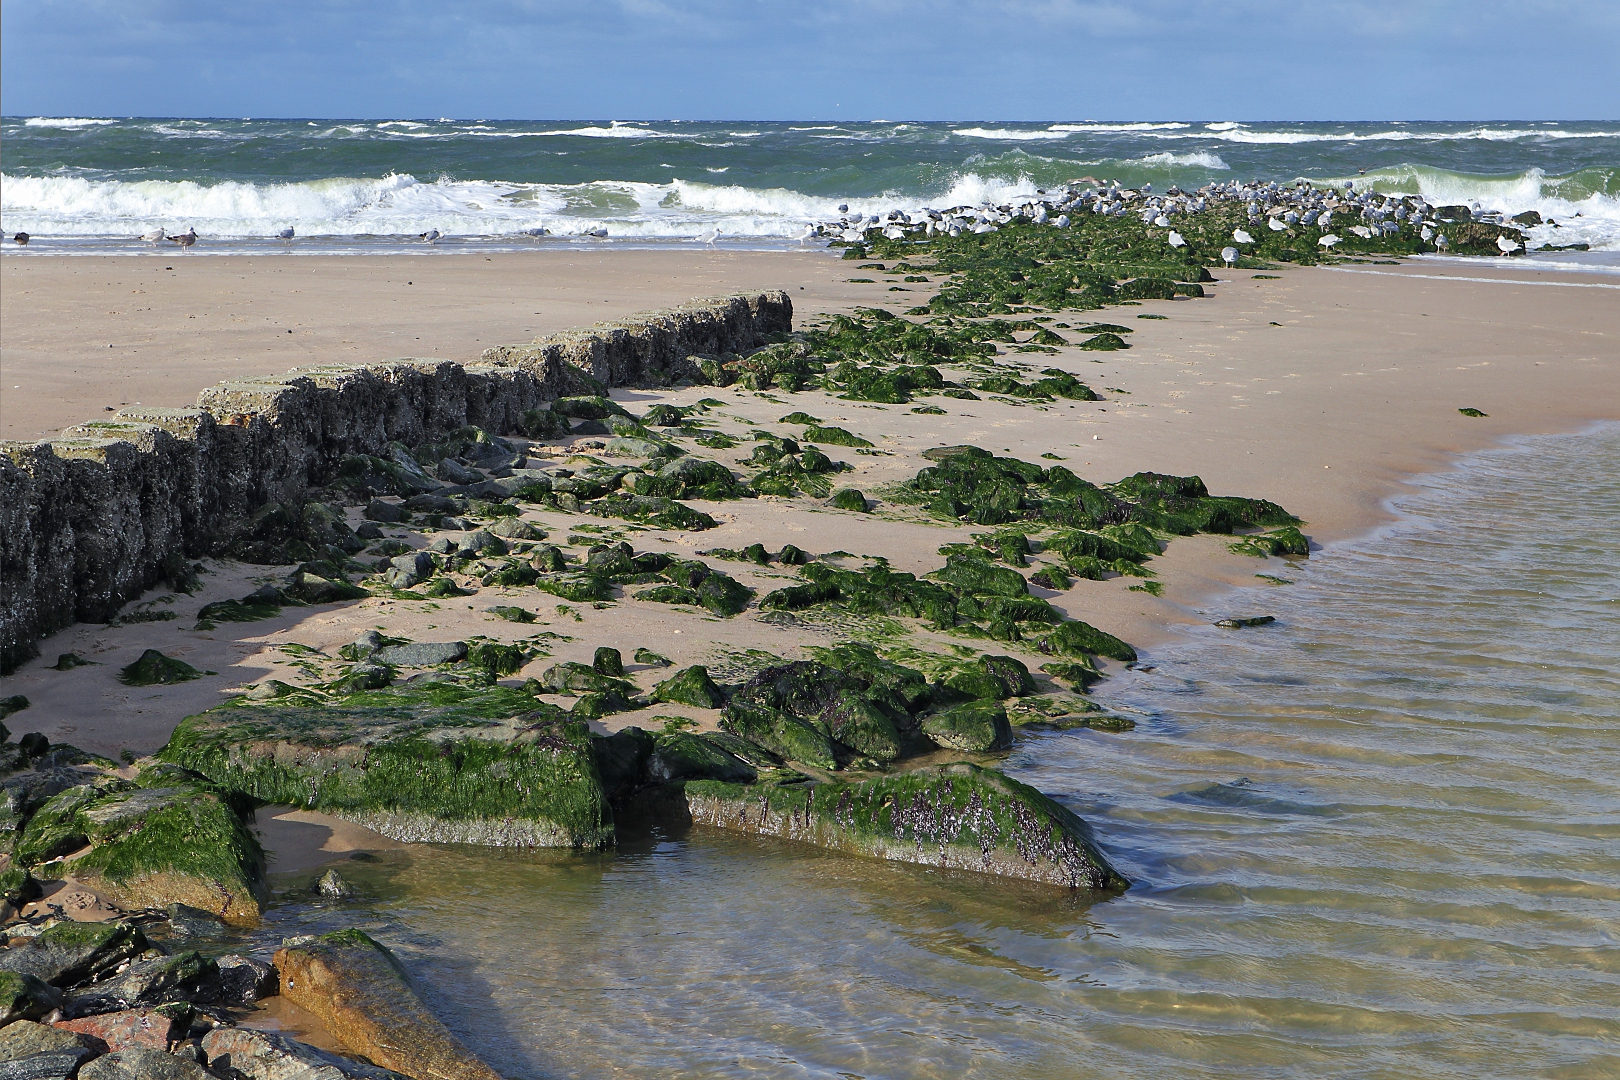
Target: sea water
1378, 838
92, 185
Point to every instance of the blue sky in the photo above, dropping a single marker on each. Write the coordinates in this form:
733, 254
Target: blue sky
765, 59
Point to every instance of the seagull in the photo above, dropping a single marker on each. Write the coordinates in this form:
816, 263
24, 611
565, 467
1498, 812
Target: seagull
1276, 225
894, 232
1242, 237
1362, 231
152, 236
185, 239
285, 235
1176, 239
1441, 242
600, 234
1327, 240
538, 230
21, 239
1062, 221
1508, 246
1162, 222
1427, 233
431, 236
710, 238
853, 236
810, 230
1229, 256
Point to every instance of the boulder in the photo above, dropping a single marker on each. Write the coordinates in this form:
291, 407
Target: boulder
973, 727
334, 886
243, 980
184, 976
608, 662
408, 570
387, 512
959, 817
690, 686
151, 1028
419, 762
265, 1055
139, 1063
24, 1039
70, 953
361, 993
25, 997
421, 654
684, 756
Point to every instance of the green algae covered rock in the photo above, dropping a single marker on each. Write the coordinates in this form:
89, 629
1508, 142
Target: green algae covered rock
70, 953
973, 727
155, 669
170, 836
417, 762
25, 997
684, 756
690, 686
959, 816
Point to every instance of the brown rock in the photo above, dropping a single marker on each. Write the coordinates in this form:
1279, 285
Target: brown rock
152, 1029
264, 1055
360, 991
138, 1064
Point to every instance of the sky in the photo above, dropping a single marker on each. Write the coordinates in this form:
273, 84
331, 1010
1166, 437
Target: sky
814, 59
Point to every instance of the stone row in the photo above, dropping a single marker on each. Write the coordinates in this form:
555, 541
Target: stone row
89, 519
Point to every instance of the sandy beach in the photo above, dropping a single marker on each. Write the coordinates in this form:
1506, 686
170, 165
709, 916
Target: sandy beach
1320, 389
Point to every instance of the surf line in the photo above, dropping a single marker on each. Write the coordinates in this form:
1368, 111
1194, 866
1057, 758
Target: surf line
1489, 280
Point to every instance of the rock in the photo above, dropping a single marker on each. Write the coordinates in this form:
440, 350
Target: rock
1254, 620
16, 703
633, 446
973, 727
574, 678
683, 756
154, 1029
265, 1055
361, 993
318, 589
243, 980
188, 922
992, 678
959, 816
690, 686
70, 953
24, 1039
517, 529
183, 977
368, 530
168, 837
421, 654
392, 513
652, 659
18, 886
333, 886
621, 759
608, 662
139, 1063
25, 997
51, 1065
430, 504
452, 471
365, 677
363, 646
155, 669
409, 570
849, 499
437, 761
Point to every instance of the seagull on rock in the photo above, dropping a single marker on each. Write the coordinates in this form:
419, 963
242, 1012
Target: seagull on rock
1242, 237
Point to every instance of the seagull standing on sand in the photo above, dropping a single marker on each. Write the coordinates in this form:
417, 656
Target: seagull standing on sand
185, 239
152, 236
710, 238
1229, 256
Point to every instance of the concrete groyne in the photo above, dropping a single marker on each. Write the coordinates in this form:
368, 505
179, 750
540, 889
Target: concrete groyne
91, 519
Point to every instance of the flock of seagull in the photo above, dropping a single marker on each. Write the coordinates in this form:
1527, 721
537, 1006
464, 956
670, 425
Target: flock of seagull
1273, 206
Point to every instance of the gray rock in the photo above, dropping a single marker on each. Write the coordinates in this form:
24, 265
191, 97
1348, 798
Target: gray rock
51, 1065
243, 980
135, 1063
633, 446
430, 504
409, 569
24, 997
190, 922
368, 530
517, 529
185, 976
264, 1055
422, 654
25, 1039
70, 953
363, 646
377, 510
453, 472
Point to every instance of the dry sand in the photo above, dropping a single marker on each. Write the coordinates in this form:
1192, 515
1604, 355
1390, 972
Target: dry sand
1319, 389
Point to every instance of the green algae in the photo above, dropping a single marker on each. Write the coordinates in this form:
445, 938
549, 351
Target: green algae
1472, 412
690, 686
850, 499
834, 436
155, 669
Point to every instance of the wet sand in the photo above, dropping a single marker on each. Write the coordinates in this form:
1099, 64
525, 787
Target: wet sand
1319, 389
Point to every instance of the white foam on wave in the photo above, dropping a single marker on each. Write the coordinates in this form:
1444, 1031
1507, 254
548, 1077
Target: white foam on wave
1584, 213
400, 205
1113, 128
1008, 134
68, 122
1202, 159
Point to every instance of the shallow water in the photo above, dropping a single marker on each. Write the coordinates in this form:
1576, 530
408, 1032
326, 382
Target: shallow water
1375, 839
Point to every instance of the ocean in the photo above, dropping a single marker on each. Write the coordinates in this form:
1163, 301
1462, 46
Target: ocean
1377, 839
92, 185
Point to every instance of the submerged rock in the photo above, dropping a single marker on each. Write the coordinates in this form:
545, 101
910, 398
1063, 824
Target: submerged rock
360, 991
959, 817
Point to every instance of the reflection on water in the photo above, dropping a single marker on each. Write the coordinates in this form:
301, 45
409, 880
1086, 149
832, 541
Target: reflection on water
1378, 838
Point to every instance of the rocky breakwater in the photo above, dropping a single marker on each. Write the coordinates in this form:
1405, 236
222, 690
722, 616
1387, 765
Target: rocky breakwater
91, 519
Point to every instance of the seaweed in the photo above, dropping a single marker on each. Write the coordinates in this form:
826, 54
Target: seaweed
155, 669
